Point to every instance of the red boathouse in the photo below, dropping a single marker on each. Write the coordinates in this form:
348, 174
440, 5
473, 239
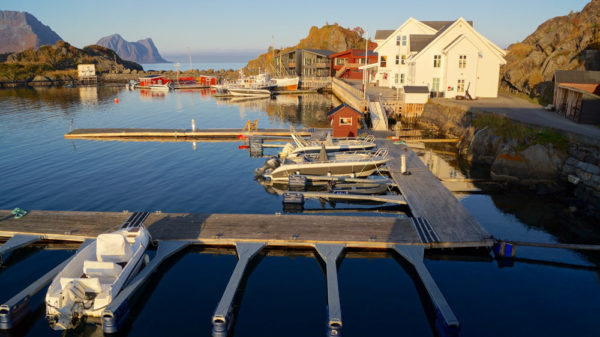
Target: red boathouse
344, 121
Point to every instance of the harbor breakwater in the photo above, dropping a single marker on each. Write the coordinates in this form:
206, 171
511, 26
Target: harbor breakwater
542, 160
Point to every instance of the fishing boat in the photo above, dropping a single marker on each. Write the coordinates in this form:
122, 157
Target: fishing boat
302, 146
95, 276
286, 83
339, 164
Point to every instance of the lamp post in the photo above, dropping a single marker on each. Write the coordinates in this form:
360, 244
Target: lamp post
365, 79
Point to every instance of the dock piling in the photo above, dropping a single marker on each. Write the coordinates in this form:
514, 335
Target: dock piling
446, 321
223, 317
16, 242
13, 311
117, 311
330, 254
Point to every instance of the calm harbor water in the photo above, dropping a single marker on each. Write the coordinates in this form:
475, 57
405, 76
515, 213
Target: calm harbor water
544, 292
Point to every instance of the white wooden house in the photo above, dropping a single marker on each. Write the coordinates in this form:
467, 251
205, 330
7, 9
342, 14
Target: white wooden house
449, 57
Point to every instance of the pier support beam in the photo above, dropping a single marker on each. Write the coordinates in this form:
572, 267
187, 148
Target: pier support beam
18, 307
223, 317
330, 255
118, 310
16, 242
446, 322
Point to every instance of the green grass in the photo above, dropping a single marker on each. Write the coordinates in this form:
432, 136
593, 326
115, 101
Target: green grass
524, 135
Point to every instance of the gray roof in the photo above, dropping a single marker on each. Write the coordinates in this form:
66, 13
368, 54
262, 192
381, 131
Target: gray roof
437, 25
416, 89
383, 34
577, 76
320, 52
418, 41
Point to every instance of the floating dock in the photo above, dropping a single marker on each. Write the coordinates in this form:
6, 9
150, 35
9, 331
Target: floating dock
179, 134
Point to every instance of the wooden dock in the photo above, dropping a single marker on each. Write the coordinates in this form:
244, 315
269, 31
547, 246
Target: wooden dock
178, 134
227, 229
428, 199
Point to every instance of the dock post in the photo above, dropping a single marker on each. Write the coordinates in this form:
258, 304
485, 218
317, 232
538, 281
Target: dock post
16, 242
193, 125
446, 322
403, 164
223, 317
18, 307
117, 311
330, 254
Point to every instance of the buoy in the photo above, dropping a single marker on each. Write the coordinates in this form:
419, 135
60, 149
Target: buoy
116, 101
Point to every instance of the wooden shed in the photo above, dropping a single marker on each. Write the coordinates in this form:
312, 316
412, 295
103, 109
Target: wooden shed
577, 95
344, 121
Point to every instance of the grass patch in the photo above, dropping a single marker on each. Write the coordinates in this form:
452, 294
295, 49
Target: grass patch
524, 135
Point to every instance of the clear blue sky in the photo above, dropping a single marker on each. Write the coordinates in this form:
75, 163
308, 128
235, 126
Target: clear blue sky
246, 27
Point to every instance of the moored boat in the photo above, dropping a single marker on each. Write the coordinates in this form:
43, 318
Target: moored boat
339, 164
302, 146
95, 276
286, 83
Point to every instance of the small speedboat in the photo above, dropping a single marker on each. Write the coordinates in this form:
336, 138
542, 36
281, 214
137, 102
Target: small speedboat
95, 276
303, 146
337, 164
161, 87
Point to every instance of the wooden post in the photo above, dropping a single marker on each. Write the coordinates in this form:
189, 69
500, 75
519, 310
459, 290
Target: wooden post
403, 164
193, 125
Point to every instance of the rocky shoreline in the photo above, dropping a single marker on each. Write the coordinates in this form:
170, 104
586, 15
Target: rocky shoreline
541, 160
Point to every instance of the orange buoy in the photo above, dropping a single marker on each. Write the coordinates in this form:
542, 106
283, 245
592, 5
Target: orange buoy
116, 100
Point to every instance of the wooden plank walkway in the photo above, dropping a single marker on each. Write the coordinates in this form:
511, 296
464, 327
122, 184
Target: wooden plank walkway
183, 134
227, 229
429, 199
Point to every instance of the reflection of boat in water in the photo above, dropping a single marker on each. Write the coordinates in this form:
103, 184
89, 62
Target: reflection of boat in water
350, 164
95, 276
249, 92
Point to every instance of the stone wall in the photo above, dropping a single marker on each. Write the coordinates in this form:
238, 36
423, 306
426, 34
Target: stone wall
582, 168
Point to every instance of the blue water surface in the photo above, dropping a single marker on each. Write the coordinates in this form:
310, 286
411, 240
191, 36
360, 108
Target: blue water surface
548, 292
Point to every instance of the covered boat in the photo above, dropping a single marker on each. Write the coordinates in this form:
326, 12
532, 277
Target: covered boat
303, 146
348, 164
95, 276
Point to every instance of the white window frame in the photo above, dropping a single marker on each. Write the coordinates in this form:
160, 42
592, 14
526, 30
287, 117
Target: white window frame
345, 121
437, 61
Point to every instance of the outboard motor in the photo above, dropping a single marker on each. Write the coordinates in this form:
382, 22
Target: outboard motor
270, 164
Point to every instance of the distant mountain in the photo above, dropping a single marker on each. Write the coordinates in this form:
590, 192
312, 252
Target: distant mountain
570, 42
142, 51
21, 30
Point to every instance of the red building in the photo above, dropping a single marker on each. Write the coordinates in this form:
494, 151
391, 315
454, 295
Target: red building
153, 79
345, 63
206, 80
344, 121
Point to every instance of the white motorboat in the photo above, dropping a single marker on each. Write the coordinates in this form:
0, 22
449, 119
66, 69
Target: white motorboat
303, 146
161, 87
339, 164
241, 91
95, 276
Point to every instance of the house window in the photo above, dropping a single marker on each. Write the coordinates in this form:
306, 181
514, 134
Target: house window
437, 61
402, 78
404, 40
396, 78
435, 87
462, 61
345, 121
461, 86
403, 59
383, 61
340, 61
397, 59
398, 40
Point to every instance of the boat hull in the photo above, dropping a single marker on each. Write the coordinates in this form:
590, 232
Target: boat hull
357, 169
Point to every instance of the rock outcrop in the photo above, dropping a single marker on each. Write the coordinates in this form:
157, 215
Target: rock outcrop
21, 30
142, 51
570, 42
328, 37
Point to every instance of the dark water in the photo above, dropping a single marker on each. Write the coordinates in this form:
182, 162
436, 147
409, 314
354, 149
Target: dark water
544, 292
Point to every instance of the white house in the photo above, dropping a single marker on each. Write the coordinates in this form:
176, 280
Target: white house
86, 70
449, 57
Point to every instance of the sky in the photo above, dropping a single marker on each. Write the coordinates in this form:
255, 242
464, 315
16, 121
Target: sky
241, 29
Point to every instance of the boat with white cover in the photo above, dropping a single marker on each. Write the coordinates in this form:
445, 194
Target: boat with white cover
339, 164
95, 276
302, 146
